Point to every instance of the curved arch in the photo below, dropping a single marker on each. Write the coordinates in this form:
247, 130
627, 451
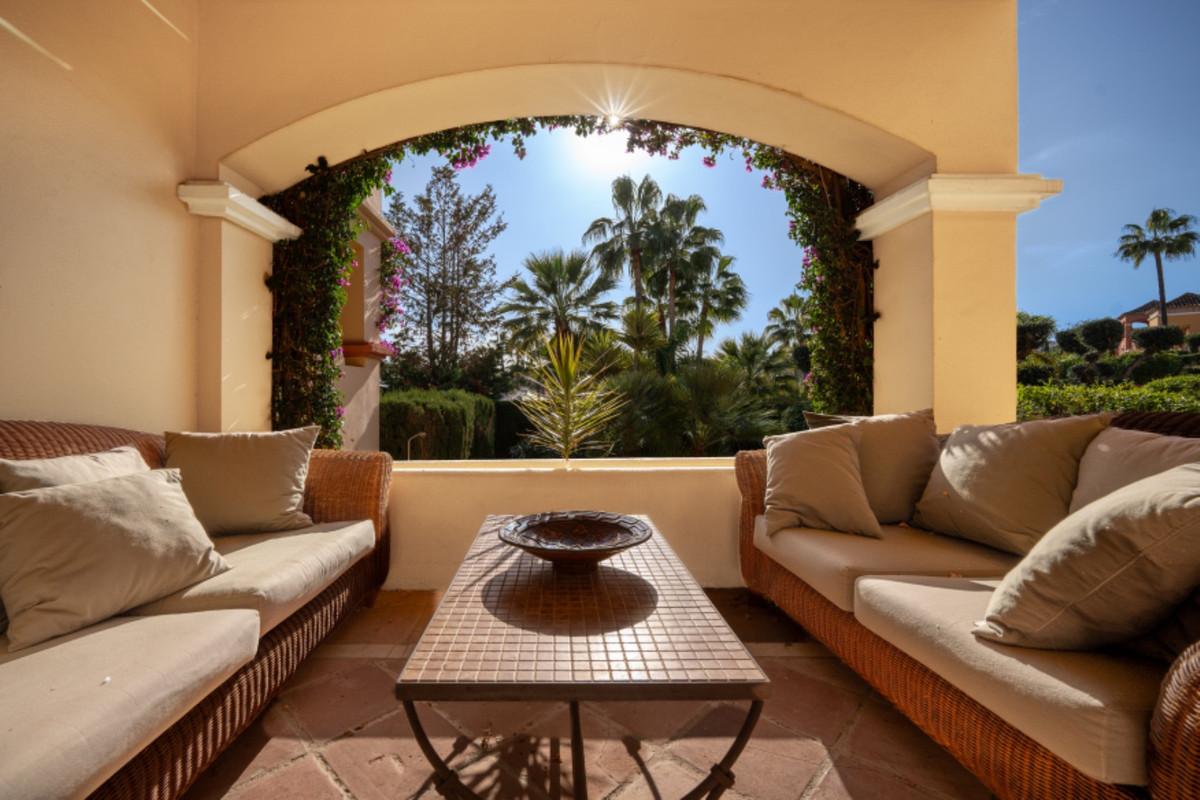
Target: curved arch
868, 154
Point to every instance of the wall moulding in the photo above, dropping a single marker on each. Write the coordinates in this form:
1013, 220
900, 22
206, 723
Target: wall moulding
221, 200
964, 193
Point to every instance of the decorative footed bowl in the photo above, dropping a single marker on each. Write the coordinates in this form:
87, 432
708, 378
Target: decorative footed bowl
575, 541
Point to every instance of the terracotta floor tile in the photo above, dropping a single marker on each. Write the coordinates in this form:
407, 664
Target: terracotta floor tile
830, 670
301, 780
849, 780
884, 738
655, 721
667, 779
338, 703
776, 765
392, 625
270, 741
313, 669
754, 619
383, 762
490, 721
807, 705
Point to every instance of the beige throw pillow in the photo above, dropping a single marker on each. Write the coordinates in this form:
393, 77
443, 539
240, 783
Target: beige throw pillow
813, 481
245, 482
1006, 485
896, 454
1118, 457
1177, 633
38, 473
74, 555
1112, 570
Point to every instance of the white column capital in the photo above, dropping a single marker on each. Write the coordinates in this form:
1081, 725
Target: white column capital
219, 199
980, 193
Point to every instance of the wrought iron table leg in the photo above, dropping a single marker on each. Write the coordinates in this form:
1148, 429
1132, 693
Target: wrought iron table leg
578, 768
445, 780
720, 777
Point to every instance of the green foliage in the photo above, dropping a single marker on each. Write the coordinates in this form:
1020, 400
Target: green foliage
1035, 402
1193, 342
571, 409
1069, 341
1158, 338
1153, 366
1102, 335
1033, 332
456, 424
1034, 373
1182, 384
308, 295
562, 294
511, 427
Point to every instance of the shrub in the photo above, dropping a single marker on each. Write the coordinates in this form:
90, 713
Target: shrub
1035, 402
1179, 384
1069, 341
1153, 366
1102, 335
1114, 368
510, 426
1158, 339
456, 424
1193, 342
1034, 373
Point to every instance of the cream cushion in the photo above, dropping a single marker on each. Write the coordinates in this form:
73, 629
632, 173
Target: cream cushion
1111, 571
896, 454
274, 573
38, 473
1090, 709
813, 480
831, 562
73, 710
1117, 457
244, 482
1006, 485
74, 555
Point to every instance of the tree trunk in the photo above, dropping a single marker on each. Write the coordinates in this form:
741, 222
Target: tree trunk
700, 331
635, 261
1162, 291
671, 303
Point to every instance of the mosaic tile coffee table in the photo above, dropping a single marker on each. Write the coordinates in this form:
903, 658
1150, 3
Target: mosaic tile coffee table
510, 627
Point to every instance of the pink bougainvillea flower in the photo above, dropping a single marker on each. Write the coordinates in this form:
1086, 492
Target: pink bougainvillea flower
709, 161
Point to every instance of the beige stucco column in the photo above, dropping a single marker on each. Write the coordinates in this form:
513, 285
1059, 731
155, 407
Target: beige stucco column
946, 294
234, 312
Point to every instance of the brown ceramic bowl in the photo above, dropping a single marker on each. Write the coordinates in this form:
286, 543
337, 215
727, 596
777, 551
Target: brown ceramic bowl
575, 541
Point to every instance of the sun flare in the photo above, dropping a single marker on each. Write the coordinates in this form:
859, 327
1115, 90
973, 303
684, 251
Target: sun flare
605, 154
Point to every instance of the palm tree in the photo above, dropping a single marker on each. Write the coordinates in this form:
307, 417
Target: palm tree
565, 297
787, 324
620, 240
678, 241
720, 294
1164, 236
757, 358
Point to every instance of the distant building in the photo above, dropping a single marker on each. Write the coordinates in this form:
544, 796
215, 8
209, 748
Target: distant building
1182, 312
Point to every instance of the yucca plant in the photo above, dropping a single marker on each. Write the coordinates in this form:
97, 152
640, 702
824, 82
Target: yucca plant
571, 408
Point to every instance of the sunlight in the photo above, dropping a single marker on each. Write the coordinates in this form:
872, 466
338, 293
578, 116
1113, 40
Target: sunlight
605, 154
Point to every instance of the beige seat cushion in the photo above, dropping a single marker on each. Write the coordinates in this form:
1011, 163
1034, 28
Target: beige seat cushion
274, 573
831, 562
1090, 709
814, 480
245, 482
1006, 485
1118, 457
74, 709
38, 473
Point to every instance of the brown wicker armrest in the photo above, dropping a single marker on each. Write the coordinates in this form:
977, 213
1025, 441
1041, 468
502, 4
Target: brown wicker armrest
347, 485
751, 469
1175, 731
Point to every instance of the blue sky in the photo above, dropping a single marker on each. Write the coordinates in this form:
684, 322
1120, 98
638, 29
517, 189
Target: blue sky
1109, 103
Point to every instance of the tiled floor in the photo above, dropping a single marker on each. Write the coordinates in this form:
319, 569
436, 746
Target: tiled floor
336, 731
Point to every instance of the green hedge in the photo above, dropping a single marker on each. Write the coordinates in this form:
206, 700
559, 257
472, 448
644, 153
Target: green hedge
456, 424
1034, 402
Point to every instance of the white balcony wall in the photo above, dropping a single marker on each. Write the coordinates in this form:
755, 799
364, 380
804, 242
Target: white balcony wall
437, 508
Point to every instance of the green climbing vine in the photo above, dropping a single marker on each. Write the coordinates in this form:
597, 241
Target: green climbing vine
310, 273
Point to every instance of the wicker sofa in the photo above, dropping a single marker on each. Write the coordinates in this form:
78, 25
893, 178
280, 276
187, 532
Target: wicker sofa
973, 721
221, 666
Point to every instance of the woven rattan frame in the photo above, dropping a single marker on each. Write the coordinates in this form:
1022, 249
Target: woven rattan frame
1007, 761
340, 486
